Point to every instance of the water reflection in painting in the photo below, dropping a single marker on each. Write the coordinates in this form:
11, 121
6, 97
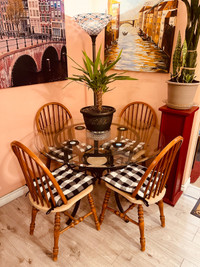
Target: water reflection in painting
144, 32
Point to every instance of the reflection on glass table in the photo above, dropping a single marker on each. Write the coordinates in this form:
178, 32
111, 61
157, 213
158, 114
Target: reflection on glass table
78, 147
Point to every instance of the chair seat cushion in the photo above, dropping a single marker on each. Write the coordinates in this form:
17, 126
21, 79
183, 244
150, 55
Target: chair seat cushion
127, 179
57, 154
71, 183
65, 153
127, 145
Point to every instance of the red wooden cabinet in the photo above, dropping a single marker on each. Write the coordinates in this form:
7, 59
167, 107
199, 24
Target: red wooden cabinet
173, 123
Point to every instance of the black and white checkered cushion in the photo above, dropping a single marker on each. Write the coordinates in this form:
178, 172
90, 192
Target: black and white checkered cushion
71, 182
128, 144
59, 155
127, 179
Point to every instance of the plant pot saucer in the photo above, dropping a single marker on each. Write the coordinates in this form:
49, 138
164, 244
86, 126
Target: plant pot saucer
183, 107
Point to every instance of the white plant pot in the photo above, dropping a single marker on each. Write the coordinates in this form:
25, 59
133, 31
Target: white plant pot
181, 95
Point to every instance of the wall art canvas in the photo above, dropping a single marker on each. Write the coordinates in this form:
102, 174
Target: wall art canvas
32, 42
144, 30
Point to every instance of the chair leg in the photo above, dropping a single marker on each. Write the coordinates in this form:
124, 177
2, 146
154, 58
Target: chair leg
105, 204
56, 235
141, 226
32, 225
162, 216
93, 209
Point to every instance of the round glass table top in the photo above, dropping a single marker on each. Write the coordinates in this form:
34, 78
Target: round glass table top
74, 145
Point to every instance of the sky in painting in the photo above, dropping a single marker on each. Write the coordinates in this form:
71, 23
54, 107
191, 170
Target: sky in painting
130, 8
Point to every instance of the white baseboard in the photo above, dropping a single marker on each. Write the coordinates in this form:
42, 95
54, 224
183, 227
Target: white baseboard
185, 186
13, 195
192, 191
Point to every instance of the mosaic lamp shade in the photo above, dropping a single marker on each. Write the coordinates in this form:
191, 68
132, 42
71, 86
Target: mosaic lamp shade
93, 23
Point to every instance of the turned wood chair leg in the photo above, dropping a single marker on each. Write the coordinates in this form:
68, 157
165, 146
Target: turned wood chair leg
32, 225
93, 209
141, 226
162, 216
56, 235
105, 204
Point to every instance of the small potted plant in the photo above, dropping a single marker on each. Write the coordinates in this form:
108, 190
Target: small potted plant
182, 86
96, 77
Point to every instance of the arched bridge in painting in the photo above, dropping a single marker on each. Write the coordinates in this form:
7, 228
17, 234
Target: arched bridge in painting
36, 57
131, 22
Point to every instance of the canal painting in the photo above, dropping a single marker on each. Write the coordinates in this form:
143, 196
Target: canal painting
144, 30
32, 42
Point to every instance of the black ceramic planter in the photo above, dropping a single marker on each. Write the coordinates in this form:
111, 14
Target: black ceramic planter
98, 121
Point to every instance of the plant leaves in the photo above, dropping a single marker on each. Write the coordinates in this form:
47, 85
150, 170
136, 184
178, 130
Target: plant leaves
184, 53
95, 74
177, 56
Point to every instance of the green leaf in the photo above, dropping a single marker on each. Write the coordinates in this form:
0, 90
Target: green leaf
114, 62
177, 55
97, 61
184, 53
124, 78
88, 66
188, 11
86, 56
75, 62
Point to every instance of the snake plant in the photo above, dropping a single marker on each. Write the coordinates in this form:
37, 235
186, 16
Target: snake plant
95, 76
179, 58
186, 66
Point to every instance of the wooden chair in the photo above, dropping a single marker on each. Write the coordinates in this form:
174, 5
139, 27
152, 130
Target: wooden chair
140, 185
53, 116
140, 116
55, 191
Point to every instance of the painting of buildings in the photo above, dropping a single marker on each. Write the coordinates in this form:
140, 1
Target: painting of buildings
144, 30
32, 42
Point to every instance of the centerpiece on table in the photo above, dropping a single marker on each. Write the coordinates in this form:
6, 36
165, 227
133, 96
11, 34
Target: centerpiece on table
95, 75
182, 85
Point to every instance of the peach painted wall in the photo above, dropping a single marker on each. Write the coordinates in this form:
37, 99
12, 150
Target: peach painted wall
18, 105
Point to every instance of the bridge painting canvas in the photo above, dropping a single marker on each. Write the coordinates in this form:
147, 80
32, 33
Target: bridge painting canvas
144, 30
32, 43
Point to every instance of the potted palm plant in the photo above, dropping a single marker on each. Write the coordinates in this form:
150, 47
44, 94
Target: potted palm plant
96, 77
182, 86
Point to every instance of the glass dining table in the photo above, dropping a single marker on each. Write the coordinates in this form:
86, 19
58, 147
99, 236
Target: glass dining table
74, 145
96, 152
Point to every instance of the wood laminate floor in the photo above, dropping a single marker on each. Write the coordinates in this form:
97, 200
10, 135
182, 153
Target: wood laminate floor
116, 244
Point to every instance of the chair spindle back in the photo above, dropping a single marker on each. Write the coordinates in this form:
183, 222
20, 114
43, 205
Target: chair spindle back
40, 181
50, 119
159, 170
141, 117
